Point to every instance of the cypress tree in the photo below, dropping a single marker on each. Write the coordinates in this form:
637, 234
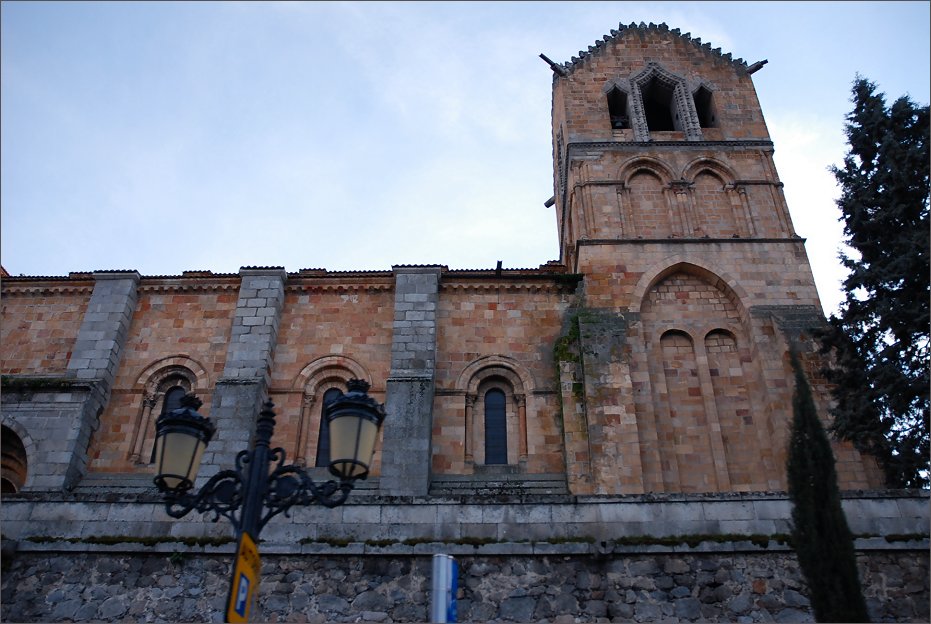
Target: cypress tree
880, 338
820, 535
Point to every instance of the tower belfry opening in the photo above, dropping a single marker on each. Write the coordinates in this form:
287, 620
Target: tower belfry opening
659, 106
704, 106
617, 109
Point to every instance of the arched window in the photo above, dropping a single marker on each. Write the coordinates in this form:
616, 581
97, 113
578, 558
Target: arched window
171, 401
173, 398
496, 430
323, 439
495, 427
13, 474
159, 388
163, 393
321, 380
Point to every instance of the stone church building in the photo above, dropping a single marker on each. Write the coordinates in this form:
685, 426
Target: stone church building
586, 411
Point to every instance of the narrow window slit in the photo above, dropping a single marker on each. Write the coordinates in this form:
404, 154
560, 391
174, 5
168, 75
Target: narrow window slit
617, 109
704, 106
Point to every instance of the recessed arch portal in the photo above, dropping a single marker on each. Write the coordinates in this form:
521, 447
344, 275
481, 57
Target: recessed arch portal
701, 371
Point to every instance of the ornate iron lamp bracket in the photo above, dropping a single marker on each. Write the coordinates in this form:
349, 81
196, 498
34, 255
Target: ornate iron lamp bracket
222, 495
287, 486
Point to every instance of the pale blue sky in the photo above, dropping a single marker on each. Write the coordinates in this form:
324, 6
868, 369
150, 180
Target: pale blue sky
165, 137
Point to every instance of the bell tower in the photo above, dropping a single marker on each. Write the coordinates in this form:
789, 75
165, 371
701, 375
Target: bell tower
695, 284
659, 137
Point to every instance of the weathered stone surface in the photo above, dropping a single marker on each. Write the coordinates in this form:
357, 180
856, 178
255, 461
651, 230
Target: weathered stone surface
86, 612
687, 608
517, 609
389, 589
370, 601
331, 603
64, 610
113, 608
277, 602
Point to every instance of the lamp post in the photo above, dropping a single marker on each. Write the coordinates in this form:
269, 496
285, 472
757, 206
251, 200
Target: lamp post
261, 485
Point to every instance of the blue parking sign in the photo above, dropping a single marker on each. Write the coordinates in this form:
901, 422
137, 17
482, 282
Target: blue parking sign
242, 595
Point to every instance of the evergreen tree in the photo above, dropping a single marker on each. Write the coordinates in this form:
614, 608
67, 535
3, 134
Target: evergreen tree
880, 338
820, 535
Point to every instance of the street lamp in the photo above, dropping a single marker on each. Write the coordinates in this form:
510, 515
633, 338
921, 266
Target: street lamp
254, 492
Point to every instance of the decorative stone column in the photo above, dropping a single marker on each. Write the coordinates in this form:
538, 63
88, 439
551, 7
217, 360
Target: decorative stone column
406, 451
521, 401
143, 424
469, 428
303, 430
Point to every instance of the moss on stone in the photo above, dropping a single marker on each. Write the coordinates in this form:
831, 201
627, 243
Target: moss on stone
566, 347
905, 537
109, 540
335, 542
693, 540
15, 383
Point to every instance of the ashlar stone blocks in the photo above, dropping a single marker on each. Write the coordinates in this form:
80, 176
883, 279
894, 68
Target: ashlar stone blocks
405, 468
239, 394
99, 345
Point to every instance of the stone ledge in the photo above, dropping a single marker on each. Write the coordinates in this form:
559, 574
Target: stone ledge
366, 493
871, 544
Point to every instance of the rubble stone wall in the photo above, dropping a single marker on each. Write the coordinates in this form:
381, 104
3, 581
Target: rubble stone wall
188, 586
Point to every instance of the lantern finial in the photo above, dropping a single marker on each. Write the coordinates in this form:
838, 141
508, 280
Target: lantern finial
358, 385
191, 400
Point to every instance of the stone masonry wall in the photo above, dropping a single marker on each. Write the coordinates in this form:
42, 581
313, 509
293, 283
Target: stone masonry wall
483, 324
38, 326
330, 329
640, 586
55, 425
172, 318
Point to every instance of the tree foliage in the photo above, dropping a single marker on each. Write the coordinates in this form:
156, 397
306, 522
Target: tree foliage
880, 338
820, 535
